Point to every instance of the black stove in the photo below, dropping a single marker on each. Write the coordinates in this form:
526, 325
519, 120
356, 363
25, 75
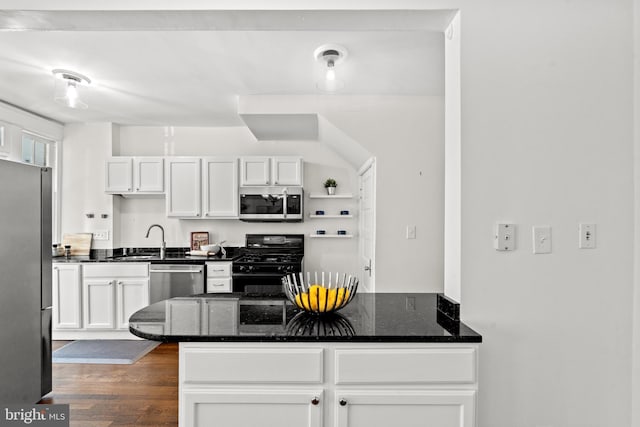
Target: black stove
264, 260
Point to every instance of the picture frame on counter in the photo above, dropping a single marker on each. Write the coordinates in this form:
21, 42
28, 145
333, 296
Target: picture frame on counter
199, 238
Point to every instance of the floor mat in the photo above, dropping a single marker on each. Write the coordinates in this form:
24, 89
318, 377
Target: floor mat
116, 352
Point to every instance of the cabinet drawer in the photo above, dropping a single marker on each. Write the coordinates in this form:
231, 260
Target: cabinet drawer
218, 269
217, 285
251, 365
406, 366
125, 269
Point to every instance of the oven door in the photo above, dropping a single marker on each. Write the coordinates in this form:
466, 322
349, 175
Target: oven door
258, 283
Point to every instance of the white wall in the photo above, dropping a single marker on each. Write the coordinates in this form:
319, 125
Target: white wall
636, 161
452, 163
84, 150
547, 139
406, 135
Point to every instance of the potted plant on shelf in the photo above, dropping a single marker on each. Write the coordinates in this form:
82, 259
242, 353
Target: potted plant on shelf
330, 184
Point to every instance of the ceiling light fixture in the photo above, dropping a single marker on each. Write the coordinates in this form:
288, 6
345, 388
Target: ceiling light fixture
67, 88
330, 55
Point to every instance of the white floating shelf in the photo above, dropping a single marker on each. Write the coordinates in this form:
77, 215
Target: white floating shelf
335, 196
331, 236
330, 216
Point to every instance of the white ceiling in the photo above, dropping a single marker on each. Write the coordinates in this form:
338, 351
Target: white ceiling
170, 68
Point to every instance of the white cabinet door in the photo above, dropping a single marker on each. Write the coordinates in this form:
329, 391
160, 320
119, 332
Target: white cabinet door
183, 187
131, 296
446, 408
67, 301
245, 408
287, 171
118, 177
255, 171
220, 187
98, 303
148, 174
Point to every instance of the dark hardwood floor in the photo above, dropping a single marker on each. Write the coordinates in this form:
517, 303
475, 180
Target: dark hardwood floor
142, 394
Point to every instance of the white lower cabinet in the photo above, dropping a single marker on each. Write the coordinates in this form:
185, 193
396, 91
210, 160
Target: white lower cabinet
131, 296
318, 384
412, 408
249, 408
98, 303
219, 278
96, 300
67, 296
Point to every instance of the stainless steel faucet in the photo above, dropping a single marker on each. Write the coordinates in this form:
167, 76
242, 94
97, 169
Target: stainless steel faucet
163, 247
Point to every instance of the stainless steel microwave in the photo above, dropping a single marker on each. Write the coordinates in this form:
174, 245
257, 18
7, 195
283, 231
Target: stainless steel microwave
271, 204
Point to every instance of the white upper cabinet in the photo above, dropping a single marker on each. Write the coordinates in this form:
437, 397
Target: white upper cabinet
134, 175
262, 171
118, 177
148, 174
220, 187
183, 187
255, 171
202, 187
287, 171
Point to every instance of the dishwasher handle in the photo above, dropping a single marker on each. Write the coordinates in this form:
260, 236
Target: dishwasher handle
190, 269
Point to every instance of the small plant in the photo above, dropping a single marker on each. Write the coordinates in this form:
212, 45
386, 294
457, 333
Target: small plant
330, 183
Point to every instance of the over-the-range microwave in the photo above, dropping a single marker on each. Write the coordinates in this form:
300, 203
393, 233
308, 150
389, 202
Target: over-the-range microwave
271, 204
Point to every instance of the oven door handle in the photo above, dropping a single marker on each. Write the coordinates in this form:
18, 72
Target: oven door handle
284, 202
256, 275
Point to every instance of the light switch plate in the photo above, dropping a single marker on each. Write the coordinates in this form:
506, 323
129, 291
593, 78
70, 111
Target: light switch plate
505, 237
586, 236
411, 231
541, 239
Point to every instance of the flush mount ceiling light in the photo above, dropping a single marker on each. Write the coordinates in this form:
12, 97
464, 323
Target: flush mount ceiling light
330, 55
68, 86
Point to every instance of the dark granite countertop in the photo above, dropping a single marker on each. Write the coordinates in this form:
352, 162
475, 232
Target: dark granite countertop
151, 255
392, 317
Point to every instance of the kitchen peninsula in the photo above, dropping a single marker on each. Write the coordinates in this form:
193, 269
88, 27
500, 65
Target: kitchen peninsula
383, 359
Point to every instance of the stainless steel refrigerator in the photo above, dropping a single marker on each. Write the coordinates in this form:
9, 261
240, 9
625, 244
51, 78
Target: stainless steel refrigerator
25, 282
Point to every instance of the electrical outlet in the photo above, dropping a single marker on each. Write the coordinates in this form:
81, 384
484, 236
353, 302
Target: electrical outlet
587, 236
101, 235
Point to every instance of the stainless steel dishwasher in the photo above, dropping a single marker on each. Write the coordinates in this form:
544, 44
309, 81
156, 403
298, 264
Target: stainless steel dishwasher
175, 280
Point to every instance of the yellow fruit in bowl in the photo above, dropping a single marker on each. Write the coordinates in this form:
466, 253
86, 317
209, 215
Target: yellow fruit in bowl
313, 297
332, 294
322, 299
318, 298
302, 300
343, 296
